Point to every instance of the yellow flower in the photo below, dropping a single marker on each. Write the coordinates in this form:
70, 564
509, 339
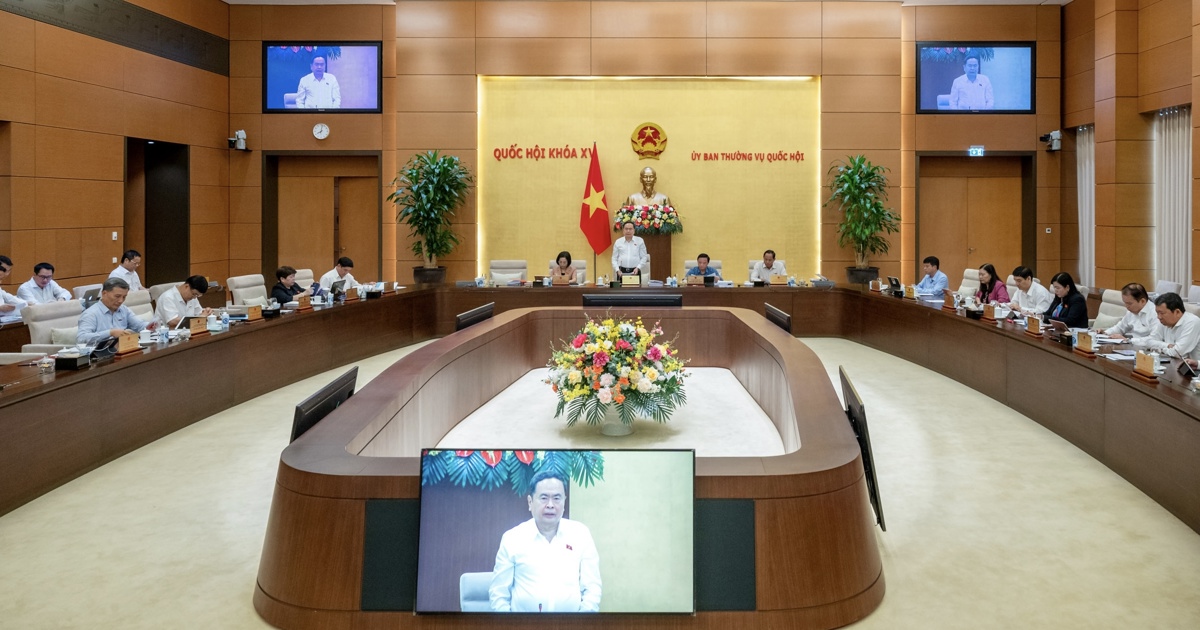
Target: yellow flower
651, 374
635, 376
574, 376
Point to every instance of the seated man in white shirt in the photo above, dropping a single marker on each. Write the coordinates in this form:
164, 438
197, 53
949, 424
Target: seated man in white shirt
108, 317
340, 271
10, 305
767, 267
1030, 297
41, 288
548, 563
1140, 319
1179, 335
182, 301
127, 270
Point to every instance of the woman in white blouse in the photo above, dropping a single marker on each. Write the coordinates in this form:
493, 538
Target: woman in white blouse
1140, 320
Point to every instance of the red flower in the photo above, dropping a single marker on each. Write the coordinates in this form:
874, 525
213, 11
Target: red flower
463, 453
623, 345
491, 458
600, 359
525, 457
579, 341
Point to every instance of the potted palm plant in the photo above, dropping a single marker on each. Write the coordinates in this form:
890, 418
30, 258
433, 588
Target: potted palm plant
859, 190
429, 188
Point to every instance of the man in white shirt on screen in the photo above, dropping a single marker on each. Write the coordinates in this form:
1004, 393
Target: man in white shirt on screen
971, 91
1030, 297
127, 270
629, 252
41, 288
182, 301
341, 271
767, 267
548, 563
318, 89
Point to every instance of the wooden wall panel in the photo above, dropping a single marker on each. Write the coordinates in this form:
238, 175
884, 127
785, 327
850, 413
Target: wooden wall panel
245, 241
1165, 68
532, 56
305, 221
245, 22
74, 105
91, 155
522, 18
648, 57
994, 131
764, 19
436, 130
858, 20
1162, 22
70, 55
209, 204
332, 166
976, 23
17, 99
207, 15
210, 242
159, 78
860, 131
764, 57
436, 93
648, 21
860, 94
323, 22
18, 44
435, 18
73, 203
860, 56
245, 59
208, 166
435, 56
155, 119
245, 204
293, 132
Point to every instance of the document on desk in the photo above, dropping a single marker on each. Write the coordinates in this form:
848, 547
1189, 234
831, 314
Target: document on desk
1114, 356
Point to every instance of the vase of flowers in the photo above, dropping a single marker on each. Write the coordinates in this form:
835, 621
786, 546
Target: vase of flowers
652, 219
617, 368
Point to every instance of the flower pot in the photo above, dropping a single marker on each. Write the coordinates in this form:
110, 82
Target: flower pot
612, 424
429, 275
861, 276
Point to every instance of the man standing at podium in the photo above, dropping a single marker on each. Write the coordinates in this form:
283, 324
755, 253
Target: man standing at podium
629, 252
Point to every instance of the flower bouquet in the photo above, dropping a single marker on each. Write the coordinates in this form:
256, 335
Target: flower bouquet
617, 362
653, 219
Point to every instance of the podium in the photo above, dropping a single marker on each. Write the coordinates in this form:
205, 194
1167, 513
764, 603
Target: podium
659, 248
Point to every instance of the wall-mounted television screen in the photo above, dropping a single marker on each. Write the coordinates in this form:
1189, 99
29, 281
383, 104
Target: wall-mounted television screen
558, 531
975, 77
340, 77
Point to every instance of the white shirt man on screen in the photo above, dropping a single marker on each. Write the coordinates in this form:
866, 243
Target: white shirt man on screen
1030, 297
340, 271
548, 563
767, 267
972, 90
41, 288
318, 89
629, 252
127, 270
182, 301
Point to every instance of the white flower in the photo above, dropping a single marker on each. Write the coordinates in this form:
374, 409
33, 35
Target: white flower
624, 371
627, 329
606, 380
608, 344
646, 386
605, 395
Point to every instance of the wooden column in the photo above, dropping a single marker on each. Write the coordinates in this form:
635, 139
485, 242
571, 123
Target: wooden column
1124, 151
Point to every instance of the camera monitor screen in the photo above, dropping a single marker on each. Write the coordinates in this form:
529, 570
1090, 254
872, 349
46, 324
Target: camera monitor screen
561, 532
975, 77
336, 77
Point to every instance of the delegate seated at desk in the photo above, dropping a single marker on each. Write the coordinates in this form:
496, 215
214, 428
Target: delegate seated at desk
767, 267
286, 289
563, 269
41, 288
1179, 335
10, 305
127, 270
702, 268
182, 301
934, 282
991, 289
341, 271
1069, 305
109, 317
1030, 297
1140, 319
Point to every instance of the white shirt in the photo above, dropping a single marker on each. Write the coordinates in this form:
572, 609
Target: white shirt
1036, 300
319, 94
131, 277
536, 575
13, 315
331, 276
762, 273
1184, 335
1135, 325
171, 305
629, 254
33, 294
966, 94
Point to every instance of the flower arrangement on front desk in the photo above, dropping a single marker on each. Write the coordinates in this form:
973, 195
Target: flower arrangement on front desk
654, 219
617, 362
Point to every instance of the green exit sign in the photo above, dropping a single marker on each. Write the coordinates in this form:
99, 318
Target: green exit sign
975, 150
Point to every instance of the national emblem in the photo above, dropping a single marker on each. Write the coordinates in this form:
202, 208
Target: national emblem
649, 141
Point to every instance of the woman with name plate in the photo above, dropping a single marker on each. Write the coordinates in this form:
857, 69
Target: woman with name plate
563, 269
1069, 305
991, 289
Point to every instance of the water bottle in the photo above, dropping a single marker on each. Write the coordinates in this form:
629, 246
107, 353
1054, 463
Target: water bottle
224, 320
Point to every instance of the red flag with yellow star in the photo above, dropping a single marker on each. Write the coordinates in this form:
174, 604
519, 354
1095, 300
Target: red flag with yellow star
593, 214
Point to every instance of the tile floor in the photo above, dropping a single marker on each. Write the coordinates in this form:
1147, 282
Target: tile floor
993, 521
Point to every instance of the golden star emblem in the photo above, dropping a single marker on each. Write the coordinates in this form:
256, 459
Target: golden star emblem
595, 200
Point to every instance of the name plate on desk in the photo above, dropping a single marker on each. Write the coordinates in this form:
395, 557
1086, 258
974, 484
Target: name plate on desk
779, 280
631, 280
128, 345
197, 326
1085, 343
695, 280
876, 286
1143, 368
303, 303
563, 281
948, 301
254, 313
910, 292
1033, 326
989, 312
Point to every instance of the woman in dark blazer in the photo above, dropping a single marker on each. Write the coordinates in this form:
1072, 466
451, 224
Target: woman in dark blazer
286, 289
1069, 305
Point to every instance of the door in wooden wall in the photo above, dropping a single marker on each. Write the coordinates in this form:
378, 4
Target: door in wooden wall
969, 213
306, 223
359, 225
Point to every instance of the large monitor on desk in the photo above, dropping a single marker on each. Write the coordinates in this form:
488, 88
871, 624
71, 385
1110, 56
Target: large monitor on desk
622, 299
311, 410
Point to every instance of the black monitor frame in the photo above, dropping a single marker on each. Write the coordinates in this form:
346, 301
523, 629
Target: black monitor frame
1032, 45
478, 314
313, 409
630, 299
778, 317
856, 413
378, 109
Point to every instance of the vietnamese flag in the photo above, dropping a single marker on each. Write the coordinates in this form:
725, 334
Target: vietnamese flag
593, 214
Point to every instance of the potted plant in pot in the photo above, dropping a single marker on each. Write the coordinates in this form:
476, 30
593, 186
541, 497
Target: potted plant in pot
429, 188
859, 189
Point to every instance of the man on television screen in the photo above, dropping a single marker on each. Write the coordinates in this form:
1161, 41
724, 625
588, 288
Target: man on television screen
972, 90
548, 563
318, 89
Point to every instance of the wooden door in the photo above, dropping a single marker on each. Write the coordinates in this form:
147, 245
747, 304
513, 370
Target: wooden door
306, 223
359, 225
969, 213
